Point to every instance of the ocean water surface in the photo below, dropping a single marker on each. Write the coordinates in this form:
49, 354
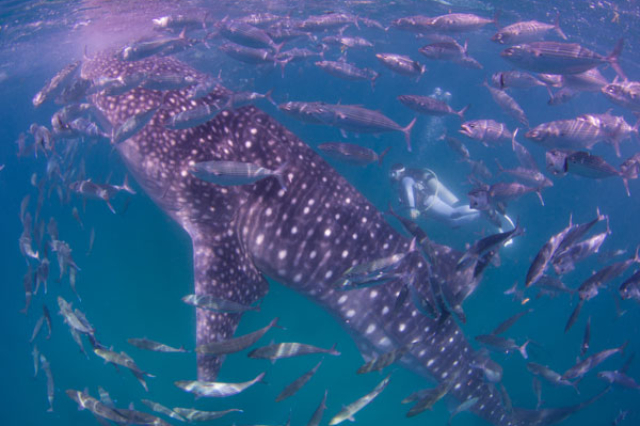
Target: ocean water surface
131, 282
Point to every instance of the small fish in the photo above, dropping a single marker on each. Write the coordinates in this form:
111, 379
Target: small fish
56, 83
537, 390
289, 349
192, 117
630, 288
384, 360
549, 375
508, 104
526, 31
619, 378
402, 65
584, 347
459, 23
28, 290
492, 370
485, 244
297, 384
464, 406
553, 57
503, 345
623, 93
486, 131
143, 49
50, 384
350, 410
140, 418
231, 173
250, 55
124, 360
352, 154
35, 353
192, 415
206, 301
216, 389
316, 417
430, 106
426, 398
92, 239
586, 365
133, 125
235, 344
85, 401
36, 329
347, 71
159, 408
150, 345
508, 323
515, 80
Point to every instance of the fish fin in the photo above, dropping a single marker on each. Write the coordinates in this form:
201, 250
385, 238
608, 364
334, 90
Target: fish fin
556, 27
242, 279
523, 349
462, 111
612, 58
407, 132
382, 155
125, 186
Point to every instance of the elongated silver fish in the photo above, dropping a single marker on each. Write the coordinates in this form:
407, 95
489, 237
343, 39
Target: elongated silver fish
553, 57
150, 345
526, 31
235, 344
350, 410
216, 389
297, 384
231, 173
193, 415
159, 408
402, 64
206, 301
289, 349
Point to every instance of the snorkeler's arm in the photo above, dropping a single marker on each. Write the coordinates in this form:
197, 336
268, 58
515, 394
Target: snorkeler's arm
408, 194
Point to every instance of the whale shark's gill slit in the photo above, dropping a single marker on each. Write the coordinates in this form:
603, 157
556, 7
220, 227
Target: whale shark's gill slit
222, 270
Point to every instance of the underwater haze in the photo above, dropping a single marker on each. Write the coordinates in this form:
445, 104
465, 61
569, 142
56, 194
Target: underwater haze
158, 149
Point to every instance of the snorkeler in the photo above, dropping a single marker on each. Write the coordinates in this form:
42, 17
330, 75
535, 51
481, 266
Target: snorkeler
422, 192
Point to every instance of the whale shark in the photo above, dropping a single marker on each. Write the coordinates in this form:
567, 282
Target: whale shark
304, 236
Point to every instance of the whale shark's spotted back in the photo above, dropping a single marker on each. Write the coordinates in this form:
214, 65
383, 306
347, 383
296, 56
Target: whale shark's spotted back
304, 237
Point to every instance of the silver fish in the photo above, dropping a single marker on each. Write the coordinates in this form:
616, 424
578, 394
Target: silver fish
350, 410
205, 301
231, 173
150, 345
526, 31
216, 389
203, 416
289, 349
297, 384
560, 58
159, 408
402, 64
235, 344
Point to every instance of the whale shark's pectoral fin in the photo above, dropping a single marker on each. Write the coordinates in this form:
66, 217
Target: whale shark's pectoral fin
223, 270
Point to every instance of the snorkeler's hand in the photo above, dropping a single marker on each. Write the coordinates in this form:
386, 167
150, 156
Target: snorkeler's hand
414, 213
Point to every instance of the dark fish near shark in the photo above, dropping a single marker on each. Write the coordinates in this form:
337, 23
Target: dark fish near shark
304, 237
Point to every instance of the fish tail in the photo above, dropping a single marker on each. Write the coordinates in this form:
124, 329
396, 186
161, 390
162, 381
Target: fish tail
279, 174
382, 155
269, 98
523, 349
278, 47
110, 206
612, 58
496, 16
125, 186
407, 133
462, 111
539, 193
556, 27
373, 80
333, 351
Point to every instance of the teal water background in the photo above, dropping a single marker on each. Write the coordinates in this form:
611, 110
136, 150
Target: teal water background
140, 267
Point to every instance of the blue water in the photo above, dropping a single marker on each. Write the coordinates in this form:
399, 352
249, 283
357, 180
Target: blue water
140, 267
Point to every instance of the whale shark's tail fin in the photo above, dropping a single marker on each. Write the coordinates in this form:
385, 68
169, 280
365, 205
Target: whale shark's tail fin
223, 270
